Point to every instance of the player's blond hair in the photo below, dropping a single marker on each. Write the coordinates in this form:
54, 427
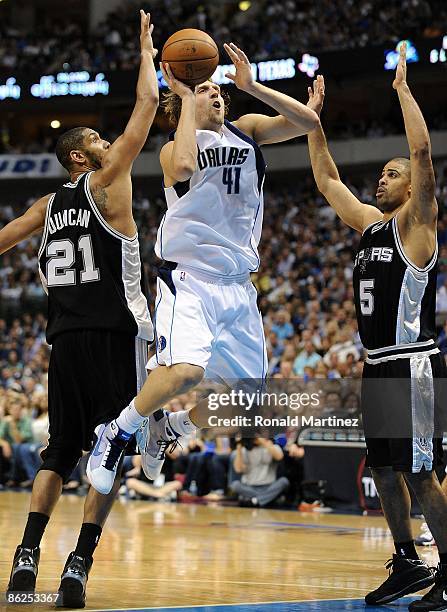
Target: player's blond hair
172, 105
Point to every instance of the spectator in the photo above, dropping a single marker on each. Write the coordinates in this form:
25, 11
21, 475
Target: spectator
15, 429
28, 453
344, 346
138, 485
282, 326
307, 358
259, 485
332, 406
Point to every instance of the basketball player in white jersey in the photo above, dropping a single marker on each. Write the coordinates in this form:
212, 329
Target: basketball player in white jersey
206, 317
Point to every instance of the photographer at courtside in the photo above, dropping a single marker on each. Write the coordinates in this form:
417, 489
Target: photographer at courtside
257, 460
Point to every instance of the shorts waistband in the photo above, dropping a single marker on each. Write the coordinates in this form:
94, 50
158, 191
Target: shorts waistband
217, 279
401, 351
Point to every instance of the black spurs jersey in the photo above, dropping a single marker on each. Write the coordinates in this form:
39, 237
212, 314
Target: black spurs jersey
395, 301
91, 272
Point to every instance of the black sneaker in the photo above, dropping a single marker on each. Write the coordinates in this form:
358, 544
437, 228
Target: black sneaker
24, 570
436, 598
405, 576
73, 582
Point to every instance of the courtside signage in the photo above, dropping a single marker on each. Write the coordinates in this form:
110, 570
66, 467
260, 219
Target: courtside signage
71, 84
29, 166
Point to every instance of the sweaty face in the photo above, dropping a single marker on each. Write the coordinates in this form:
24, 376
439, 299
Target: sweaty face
394, 186
210, 106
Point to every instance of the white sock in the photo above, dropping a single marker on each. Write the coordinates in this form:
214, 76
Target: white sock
181, 422
130, 419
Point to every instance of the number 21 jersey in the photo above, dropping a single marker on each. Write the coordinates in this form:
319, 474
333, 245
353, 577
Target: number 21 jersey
213, 221
91, 272
394, 299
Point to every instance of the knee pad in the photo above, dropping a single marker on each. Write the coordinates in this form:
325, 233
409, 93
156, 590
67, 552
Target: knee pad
60, 459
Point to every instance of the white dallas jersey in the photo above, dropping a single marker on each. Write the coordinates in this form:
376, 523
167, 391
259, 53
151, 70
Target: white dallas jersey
213, 221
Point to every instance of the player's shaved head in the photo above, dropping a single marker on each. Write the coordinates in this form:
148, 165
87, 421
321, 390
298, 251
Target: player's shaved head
70, 141
404, 163
394, 187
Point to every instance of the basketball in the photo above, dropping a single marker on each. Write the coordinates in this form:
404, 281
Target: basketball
192, 55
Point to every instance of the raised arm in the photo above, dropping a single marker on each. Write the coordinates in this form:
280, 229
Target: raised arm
350, 210
178, 157
23, 227
422, 208
294, 119
126, 148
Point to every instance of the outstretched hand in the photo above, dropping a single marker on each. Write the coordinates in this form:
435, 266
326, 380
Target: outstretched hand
174, 84
147, 28
401, 70
316, 95
243, 79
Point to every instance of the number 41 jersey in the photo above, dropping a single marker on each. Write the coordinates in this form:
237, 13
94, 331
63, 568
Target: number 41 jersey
394, 299
213, 221
91, 272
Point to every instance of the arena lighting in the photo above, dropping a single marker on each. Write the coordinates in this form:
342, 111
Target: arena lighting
244, 5
55, 124
70, 84
439, 56
309, 64
10, 89
392, 57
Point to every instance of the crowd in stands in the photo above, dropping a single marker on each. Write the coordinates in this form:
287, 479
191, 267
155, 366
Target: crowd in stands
265, 30
340, 128
305, 297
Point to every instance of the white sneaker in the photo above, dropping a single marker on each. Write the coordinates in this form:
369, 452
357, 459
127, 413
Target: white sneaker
426, 538
105, 456
154, 438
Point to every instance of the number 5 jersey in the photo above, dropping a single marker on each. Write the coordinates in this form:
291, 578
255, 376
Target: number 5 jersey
394, 299
91, 272
213, 221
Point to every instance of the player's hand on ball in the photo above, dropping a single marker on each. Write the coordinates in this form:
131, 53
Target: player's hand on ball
316, 95
243, 79
401, 70
146, 34
174, 84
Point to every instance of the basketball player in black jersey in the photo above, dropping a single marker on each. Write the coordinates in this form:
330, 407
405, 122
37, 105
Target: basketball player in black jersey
98, 319
395, 291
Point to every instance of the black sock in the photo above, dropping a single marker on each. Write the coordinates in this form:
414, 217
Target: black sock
406, 550
88, 540
443, 558
34, 530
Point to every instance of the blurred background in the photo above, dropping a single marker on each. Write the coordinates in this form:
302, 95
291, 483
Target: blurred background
75, 63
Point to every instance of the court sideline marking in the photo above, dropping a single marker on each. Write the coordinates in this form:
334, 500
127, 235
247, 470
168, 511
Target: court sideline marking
220, 605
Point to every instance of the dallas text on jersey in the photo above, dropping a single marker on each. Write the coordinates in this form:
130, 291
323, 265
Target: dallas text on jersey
221, 156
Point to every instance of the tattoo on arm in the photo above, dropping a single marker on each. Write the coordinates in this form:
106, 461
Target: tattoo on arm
100, 197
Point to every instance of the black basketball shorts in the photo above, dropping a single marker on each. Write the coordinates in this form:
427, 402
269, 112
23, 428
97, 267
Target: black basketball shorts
93, 375
403, 409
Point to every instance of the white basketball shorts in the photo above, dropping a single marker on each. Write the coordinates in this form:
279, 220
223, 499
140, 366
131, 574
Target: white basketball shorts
213, 325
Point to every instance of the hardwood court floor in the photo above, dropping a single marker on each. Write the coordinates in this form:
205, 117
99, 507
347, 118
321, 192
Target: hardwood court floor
174, 555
